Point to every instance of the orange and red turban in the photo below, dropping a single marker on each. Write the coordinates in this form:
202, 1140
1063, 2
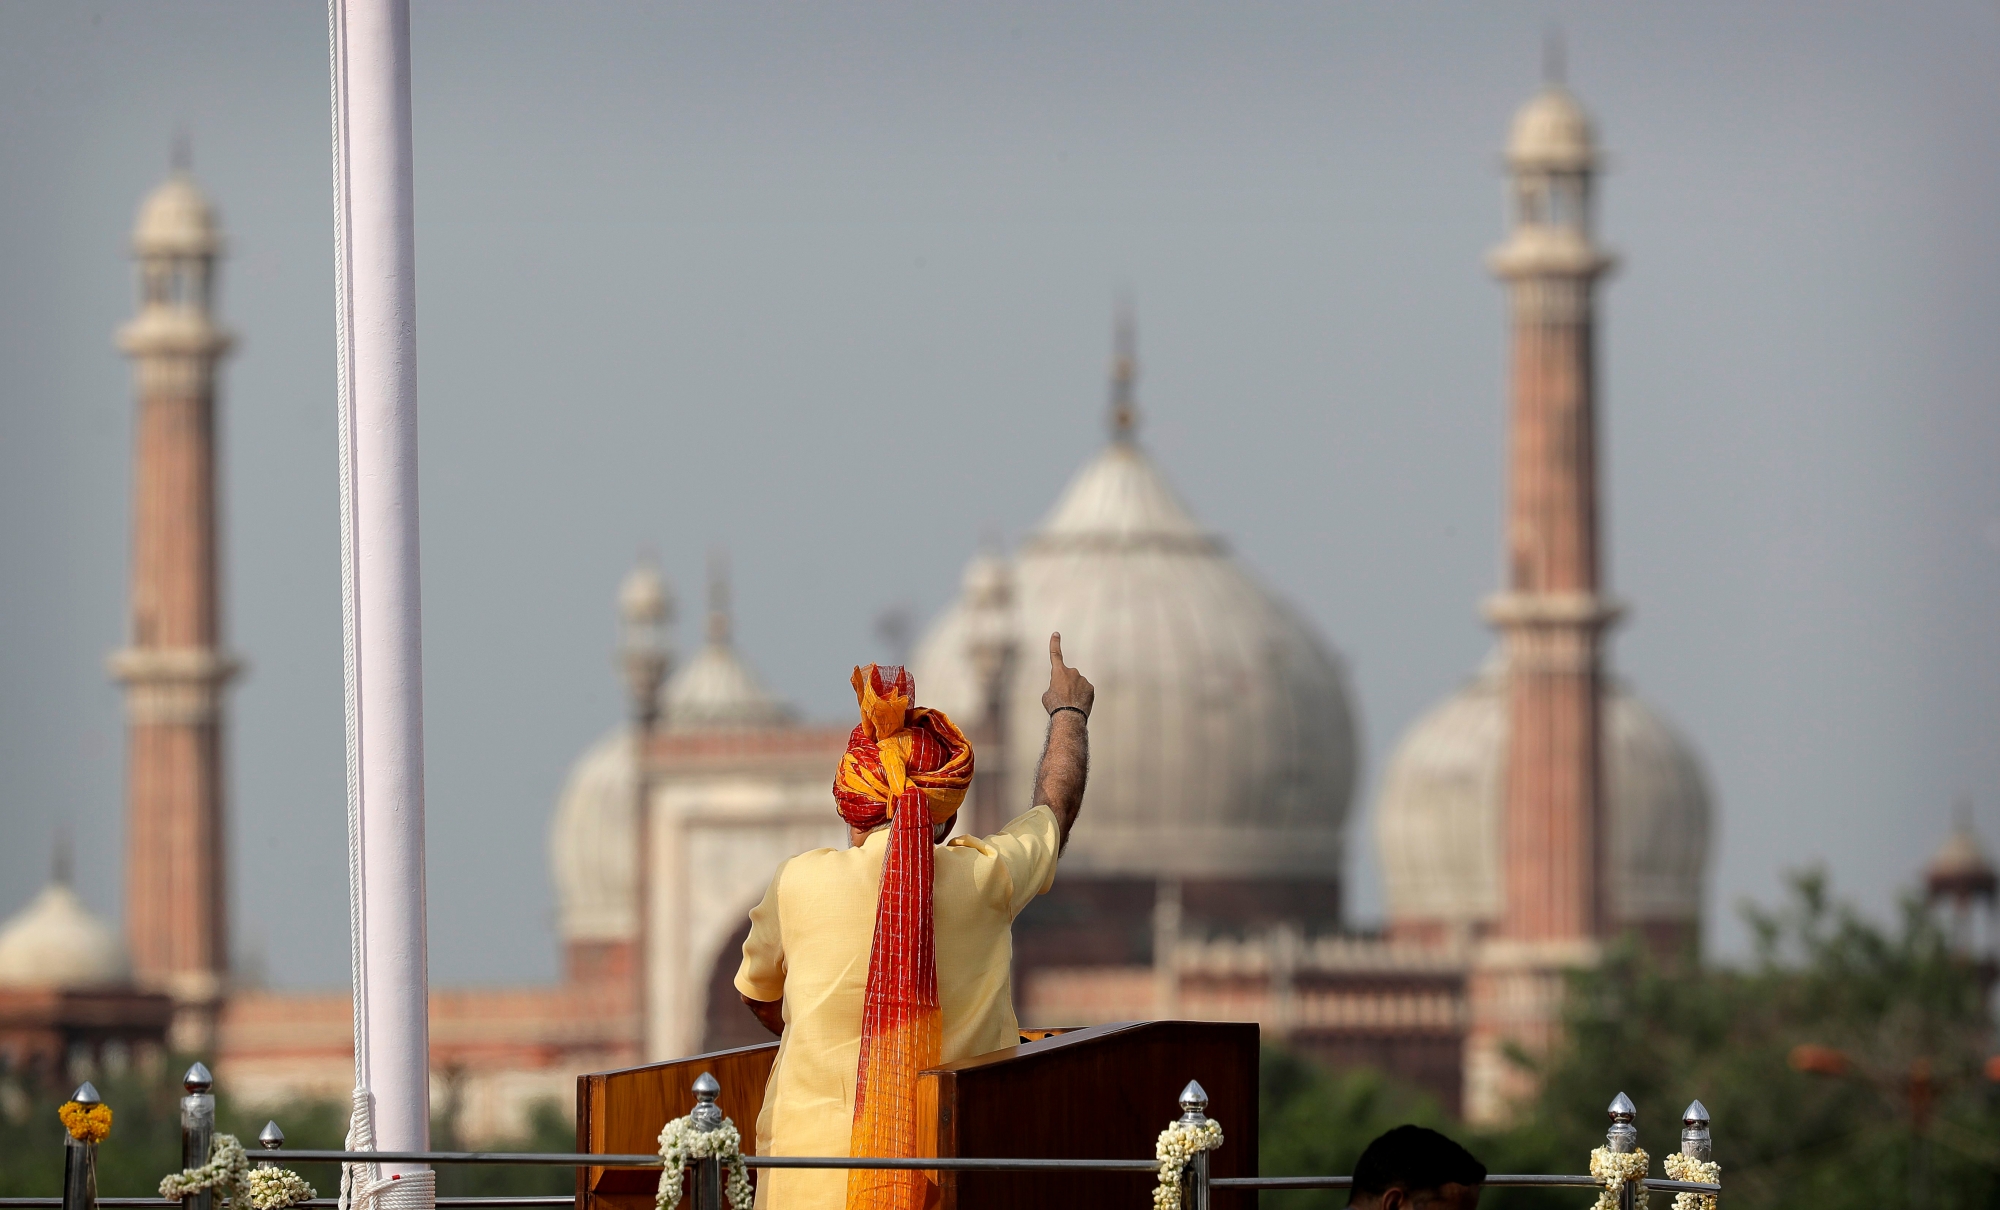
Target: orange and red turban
907, 766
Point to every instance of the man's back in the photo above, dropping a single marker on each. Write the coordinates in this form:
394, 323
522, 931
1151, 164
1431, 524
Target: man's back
809, 944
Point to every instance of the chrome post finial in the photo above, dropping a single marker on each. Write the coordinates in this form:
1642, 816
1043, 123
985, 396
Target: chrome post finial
80, 1159
1194, 1103
197, 1080
1194, 1177
197, 1130
1696, 1143
271, 1139
707, 1116
1623, 1136
1623, 1139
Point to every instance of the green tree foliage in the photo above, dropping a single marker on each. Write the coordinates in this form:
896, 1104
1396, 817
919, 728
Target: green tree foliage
1313, 1121
1893, 1010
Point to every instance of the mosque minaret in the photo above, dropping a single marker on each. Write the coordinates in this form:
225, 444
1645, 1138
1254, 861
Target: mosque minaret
174, 666
1552, 614
1543, 807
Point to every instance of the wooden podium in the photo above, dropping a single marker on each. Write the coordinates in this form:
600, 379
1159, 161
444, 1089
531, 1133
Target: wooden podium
1104, 1092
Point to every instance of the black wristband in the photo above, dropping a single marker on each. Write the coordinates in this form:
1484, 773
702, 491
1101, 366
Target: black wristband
1078, 709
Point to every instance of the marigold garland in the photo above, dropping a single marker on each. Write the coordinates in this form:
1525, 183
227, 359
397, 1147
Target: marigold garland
1687, 1168
86, 1123
1614, 1170
1177, 1144
682, 1141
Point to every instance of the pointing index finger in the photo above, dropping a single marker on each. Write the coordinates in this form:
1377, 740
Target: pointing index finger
1055, 650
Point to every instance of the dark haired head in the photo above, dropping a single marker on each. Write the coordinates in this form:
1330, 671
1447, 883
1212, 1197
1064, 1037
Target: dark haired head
1416, 1161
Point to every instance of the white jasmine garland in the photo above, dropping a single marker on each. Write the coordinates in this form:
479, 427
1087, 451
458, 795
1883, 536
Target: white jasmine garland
229, 1173
1686, 1168
277, 1188
681, 1142
1179, 1143
1615, 1170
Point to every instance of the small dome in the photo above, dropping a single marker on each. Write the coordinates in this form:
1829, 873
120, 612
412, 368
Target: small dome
56, 942
1960, 866
1552, 132
176, 220
1222, 743
642, 598
590, 844
718, 689
1438, 819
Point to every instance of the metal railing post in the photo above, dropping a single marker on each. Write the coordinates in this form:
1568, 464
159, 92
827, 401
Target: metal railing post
708, 1169
197, 1130
1194, 1177
80, 1159
271, 1139
1623, 1139
1695, 1141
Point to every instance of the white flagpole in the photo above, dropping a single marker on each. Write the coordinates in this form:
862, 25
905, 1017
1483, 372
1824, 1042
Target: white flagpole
376, 297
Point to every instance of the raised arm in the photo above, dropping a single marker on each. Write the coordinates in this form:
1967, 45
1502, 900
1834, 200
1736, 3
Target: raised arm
1065, 763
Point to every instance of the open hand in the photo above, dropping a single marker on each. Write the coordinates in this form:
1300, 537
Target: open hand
1067, 686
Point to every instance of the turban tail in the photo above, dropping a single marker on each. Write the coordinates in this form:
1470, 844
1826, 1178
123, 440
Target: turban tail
910, 767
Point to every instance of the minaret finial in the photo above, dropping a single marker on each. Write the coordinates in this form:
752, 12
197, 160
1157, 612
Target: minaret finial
718, 596
1553, 65
62, 869
1124, 372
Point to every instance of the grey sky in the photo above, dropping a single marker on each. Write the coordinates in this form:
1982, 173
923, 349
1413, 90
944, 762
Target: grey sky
738, 274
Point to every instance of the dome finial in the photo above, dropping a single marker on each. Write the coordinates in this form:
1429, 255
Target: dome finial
62, 869
718, 596
1553, 64
181, 157
1124, 372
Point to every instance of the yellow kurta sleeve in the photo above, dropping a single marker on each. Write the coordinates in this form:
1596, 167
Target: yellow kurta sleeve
762, 975
1024, 853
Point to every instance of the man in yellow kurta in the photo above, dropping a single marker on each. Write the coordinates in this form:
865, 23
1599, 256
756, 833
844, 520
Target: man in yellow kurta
806, 969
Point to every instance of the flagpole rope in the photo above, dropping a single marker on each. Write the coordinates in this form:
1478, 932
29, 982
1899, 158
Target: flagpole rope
361, 1185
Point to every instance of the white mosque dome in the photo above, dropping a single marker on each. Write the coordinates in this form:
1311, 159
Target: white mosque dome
591, 844
1552, 132
176, 219
1222, 741
56, 942
1438, 818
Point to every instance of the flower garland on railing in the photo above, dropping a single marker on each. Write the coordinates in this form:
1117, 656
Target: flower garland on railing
224, 1172
1614, 1170
1179, 1143
228, 1172
1687, 1168
681, 1141
274, 1188
86, 1123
